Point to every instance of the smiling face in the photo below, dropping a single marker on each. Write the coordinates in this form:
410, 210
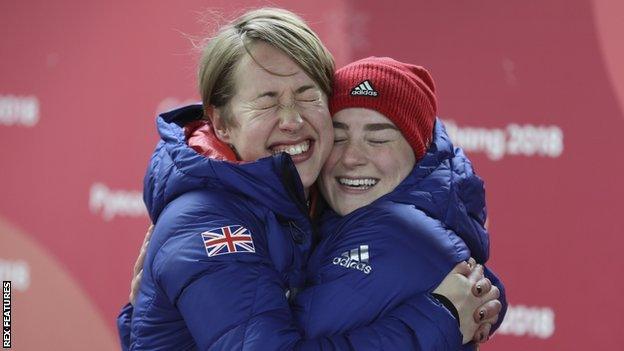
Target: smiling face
369, 159
276, 108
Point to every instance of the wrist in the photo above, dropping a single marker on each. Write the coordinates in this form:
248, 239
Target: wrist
448, 304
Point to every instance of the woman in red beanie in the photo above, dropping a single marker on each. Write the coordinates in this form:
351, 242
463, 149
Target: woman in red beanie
406, 206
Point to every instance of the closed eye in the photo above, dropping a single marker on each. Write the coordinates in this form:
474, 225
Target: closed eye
308, 100
262, 108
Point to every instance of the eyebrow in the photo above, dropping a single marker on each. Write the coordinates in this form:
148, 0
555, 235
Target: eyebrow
339, 125
304, 88
379, 126
371, 127
268, 93
300, 90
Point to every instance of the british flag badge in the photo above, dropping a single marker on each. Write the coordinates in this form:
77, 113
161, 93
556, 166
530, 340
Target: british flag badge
227, 240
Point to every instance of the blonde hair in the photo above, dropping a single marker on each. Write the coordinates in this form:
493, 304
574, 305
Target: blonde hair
277, 27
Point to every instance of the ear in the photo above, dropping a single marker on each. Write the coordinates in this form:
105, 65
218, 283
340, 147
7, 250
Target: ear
218, 124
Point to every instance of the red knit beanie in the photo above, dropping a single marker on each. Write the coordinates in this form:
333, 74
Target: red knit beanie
402, 92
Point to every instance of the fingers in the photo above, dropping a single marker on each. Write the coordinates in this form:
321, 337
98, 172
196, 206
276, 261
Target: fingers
472, 262
483, 333
150, 230
134, 287
462, 268
148, 235
138, 265
488, 312
137, 273
493, 294
476, 274
465, 268
481, 287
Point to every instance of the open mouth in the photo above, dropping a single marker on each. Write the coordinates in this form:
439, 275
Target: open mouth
298, 152
292, 150
357, 183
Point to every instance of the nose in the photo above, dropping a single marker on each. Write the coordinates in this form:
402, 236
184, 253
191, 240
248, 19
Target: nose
353, 155
290, 120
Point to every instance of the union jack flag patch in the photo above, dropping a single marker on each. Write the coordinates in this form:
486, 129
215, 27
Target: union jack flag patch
228, 239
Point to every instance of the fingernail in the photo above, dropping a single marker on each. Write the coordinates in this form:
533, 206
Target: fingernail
481, 314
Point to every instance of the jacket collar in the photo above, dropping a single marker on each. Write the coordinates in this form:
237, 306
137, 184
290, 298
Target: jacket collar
177, 168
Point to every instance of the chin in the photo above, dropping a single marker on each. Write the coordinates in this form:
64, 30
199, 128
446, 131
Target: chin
307, 177
345, 209
306, 180
306, 183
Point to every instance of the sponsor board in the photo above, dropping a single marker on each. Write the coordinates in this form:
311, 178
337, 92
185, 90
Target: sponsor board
537, 322
514, 140
111, 203
17, 271
19, 110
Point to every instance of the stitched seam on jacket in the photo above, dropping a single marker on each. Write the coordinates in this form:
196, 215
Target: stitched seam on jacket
253, 309
152, 297
453, 192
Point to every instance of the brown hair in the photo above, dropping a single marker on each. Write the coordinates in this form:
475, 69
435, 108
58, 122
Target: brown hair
277, 27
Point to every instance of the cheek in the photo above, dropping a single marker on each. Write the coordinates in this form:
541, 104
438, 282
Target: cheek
320, 120
392, 165
250, 142
327, 175
324, 145
329, 167
398, 165
327, 138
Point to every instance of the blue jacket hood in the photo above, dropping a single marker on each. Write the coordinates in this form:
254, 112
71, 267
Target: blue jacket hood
175, 168
444, 185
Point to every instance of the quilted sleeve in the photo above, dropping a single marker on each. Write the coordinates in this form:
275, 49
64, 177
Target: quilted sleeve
123, 326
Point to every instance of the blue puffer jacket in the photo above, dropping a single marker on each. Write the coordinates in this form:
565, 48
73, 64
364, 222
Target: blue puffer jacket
229, 246
402, 244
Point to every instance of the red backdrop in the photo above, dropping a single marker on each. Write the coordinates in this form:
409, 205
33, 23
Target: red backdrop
533, 90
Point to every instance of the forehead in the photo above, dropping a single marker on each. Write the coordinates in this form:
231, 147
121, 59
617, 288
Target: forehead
358, 117
269, 69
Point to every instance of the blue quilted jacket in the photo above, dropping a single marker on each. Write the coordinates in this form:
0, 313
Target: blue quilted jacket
227, 252
401, 245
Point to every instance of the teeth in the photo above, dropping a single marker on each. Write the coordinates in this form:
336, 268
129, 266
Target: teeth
292, 149
363, 183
